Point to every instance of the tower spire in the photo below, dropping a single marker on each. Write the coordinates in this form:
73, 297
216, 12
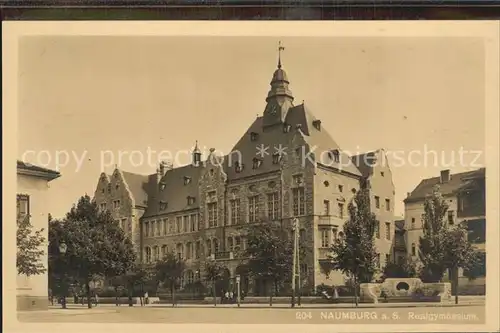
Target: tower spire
280, 48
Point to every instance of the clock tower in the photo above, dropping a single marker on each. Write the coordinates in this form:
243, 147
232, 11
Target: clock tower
280, 98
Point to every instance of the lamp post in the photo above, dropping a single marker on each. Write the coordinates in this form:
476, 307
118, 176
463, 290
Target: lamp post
238, 284
62, 250
295, 228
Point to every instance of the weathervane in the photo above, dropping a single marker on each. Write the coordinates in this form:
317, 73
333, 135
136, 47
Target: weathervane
280, 48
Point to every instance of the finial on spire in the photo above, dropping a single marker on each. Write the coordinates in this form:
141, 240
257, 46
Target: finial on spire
280, 48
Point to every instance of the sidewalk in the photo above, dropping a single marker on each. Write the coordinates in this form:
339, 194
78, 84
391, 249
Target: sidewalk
464, 301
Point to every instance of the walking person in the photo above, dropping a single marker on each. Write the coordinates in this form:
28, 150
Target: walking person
146, 298
231, 297
226, 297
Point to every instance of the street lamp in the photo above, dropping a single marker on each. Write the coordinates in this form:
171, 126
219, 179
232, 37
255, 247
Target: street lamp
295, 228
62, 250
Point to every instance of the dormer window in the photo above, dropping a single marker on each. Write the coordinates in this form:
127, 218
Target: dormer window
286, 128
187, 180
116, 204
257, 163
254, 136
162, 186
334, 155
117, 186
102, 190
277, 158
190, 200
109, 188
163, 205
317, 124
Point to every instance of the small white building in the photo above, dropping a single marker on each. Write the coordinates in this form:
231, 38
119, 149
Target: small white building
32, 186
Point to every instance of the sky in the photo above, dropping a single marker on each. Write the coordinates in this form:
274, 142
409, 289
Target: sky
95, 99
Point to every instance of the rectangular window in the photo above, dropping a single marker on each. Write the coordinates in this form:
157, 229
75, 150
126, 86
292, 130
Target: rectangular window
178, 224
124, 225
152, 228
334, 233
189, 250
165, 226
102, 206
388, 205
212, 214
341, 210
197, 250
299, 205
235, 211
146, 229
326, 207
193, 222
377, 229
451, 217
23, 203
253, 208
325, 238
377, 202
413, 223
116, 204
273, 206
387, 259
187, 228
387, 230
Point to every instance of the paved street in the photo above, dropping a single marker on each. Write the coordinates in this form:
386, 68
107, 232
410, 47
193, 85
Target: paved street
395, 313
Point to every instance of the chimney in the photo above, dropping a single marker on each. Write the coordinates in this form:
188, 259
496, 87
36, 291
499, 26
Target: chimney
445, 176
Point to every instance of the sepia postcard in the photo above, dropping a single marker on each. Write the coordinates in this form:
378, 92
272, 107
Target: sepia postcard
311, 175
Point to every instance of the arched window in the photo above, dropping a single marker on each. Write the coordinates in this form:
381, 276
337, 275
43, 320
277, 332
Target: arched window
189, 277
164, 251
237, 243
216, 245
208, 247
197, 249
189, 250
413, 249
148, 254
230, 243
180, 251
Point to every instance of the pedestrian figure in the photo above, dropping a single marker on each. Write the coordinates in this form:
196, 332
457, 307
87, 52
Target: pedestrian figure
96, 299
146, 298
226, 297
231, 297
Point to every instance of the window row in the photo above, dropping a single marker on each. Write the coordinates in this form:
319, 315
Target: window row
388, 230
162, 227
387, 203
328, 236
340, 209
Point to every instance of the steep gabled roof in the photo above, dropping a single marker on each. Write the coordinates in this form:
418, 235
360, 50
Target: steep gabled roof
176, 192
138, 185
457, 182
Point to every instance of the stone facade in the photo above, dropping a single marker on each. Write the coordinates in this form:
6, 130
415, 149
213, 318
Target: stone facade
301, 174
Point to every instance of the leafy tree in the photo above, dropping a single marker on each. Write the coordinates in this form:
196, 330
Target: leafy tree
270, 253
354, 253
29, 248
135, 278
406, 269
432, 245
214, 272
168, 271
459, 253
96, 245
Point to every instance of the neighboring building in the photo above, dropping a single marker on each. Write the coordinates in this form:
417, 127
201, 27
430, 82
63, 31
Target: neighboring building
32, 187
201, 211
399, 244
466, 196
125, 195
